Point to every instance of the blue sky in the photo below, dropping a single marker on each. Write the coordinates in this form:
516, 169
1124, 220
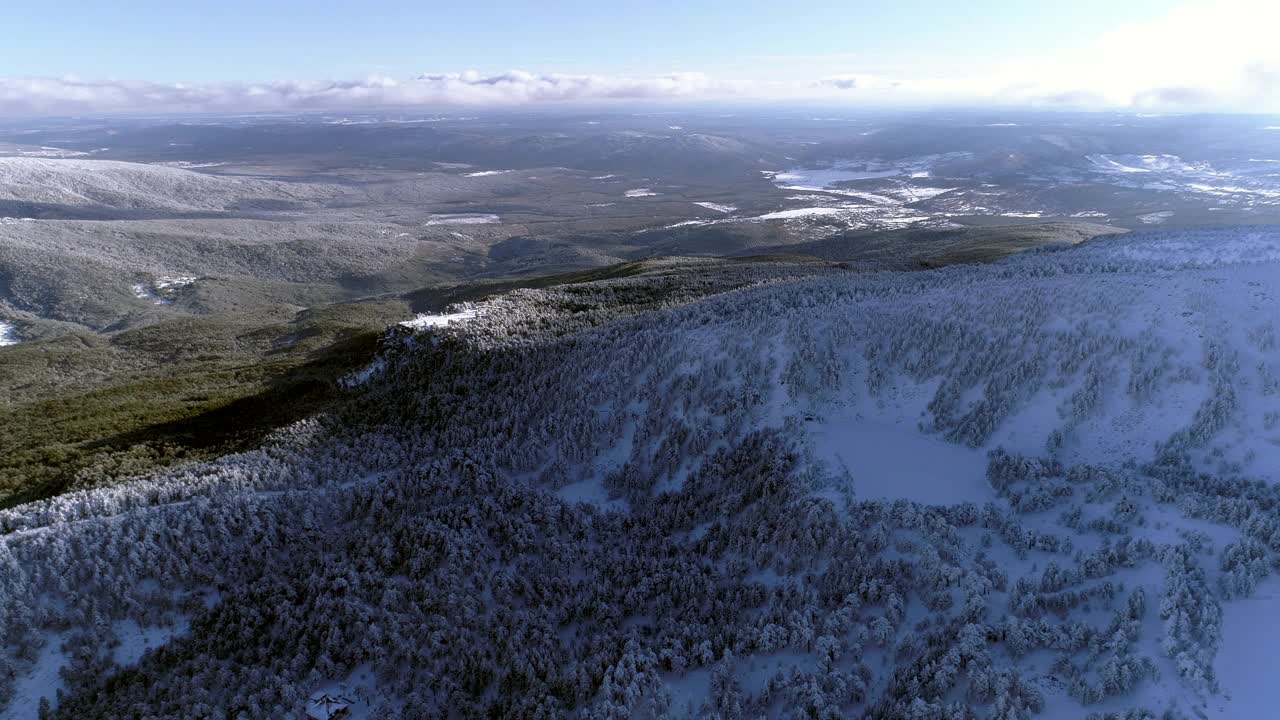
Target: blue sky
78, 56
245, 41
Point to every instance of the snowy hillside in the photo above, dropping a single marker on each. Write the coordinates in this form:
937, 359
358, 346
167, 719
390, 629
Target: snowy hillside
90, 184
1045, 487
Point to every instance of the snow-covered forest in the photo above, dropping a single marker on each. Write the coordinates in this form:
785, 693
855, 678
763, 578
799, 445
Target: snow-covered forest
1044, 487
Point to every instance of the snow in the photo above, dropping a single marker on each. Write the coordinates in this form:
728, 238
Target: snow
1106, 163
141, 186
8, 334
688, 691
893, 461
40, 680
1228, 180
822, 178
136, 640
487, 173
887, 349
869, 197
143, 292
1250, 653
799, 213
423, 321
362, 375
462, 219
166, 283
592, 492
639, 192
718, 207
188, 165
357, 694
843, 171
1155, 218
160, 291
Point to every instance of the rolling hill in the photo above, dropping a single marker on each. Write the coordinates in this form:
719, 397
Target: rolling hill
718, 488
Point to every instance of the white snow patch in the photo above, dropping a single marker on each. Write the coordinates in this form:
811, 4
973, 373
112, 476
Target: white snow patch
639, 192
360, 376
798, 213
487, 173
893, 461
8, 334
1156, 218
188, 165
160, 291
41, 680
356, 694
462, 219
423, 321
718, 207
592, 492
824, 178
1250, 652
166, 282
136, 639
869, 197
144, 292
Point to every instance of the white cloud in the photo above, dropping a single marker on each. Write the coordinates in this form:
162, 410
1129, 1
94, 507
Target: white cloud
72, 95
1202, 55
854, 81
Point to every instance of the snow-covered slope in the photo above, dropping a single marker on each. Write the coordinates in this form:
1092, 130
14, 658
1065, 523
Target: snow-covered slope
1047, 486
90, 184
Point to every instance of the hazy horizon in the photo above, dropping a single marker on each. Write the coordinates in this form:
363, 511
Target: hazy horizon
70, 57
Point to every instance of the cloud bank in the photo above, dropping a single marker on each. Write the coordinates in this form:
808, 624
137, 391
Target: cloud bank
1204, 55
71, 95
